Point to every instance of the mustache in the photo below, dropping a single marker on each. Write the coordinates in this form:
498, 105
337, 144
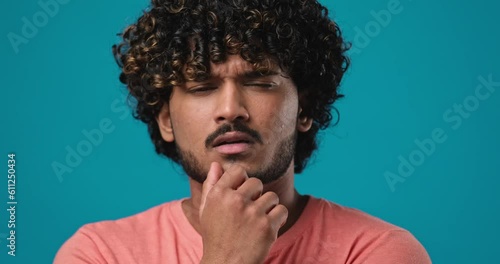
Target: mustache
232, 127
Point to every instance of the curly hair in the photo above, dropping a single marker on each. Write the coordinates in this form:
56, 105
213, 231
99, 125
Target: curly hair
174, 41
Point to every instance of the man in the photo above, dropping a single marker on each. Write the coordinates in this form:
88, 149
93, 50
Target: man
236, 91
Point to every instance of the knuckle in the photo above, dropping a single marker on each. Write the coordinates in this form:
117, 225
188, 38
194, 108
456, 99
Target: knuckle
273, 196
235, 168
253, 210
237, 171
264, 224
256, 182
216, 191
242, 172
267, 229
237, 200
282, 209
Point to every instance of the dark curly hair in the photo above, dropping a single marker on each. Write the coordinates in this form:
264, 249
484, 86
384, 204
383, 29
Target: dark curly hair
175, 41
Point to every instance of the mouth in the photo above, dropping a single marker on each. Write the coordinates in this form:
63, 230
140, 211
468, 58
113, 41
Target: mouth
233, 143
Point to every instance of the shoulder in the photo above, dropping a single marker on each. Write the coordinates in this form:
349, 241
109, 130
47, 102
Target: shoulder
95, 241
366, 238
143, 222
393, 246
354, 220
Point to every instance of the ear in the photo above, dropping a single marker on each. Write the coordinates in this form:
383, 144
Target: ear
304, 123
165, 124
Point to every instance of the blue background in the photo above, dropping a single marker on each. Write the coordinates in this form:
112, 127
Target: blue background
429, 56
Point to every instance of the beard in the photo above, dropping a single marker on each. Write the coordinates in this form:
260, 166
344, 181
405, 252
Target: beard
272, 171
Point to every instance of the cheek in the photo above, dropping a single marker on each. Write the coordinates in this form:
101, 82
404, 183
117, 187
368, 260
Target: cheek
189, 129
287, 114
279, 121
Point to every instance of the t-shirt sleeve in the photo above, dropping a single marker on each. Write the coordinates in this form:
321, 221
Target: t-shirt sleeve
79, 249
396, 246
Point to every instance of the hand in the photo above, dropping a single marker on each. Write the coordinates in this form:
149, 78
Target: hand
238, 223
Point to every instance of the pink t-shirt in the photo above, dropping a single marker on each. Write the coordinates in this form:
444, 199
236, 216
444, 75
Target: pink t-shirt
325, 233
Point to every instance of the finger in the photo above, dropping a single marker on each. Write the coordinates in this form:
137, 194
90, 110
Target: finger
267, 202
278, 216
251, 188
213, 176
233, 177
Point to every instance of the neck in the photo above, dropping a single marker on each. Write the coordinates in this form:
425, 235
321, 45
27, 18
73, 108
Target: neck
283, 187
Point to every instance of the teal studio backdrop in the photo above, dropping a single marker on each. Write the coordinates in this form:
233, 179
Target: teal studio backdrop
417, 144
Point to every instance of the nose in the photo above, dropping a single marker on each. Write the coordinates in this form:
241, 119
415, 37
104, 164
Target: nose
231, 104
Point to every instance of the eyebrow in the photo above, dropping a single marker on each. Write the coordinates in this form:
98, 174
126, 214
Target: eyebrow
258, 74
247, 75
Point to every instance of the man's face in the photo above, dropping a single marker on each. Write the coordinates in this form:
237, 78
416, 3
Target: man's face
236, 116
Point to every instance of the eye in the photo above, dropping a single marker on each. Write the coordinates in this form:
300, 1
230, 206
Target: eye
260, 85
201, 89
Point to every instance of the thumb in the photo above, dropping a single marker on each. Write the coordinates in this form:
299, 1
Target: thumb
213, 176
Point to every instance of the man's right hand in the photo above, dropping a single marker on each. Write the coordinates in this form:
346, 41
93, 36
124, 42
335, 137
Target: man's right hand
239, 224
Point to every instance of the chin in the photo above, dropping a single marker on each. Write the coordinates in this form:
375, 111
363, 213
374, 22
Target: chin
228, 162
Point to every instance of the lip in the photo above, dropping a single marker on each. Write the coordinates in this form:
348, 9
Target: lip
231, 149
242, 143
